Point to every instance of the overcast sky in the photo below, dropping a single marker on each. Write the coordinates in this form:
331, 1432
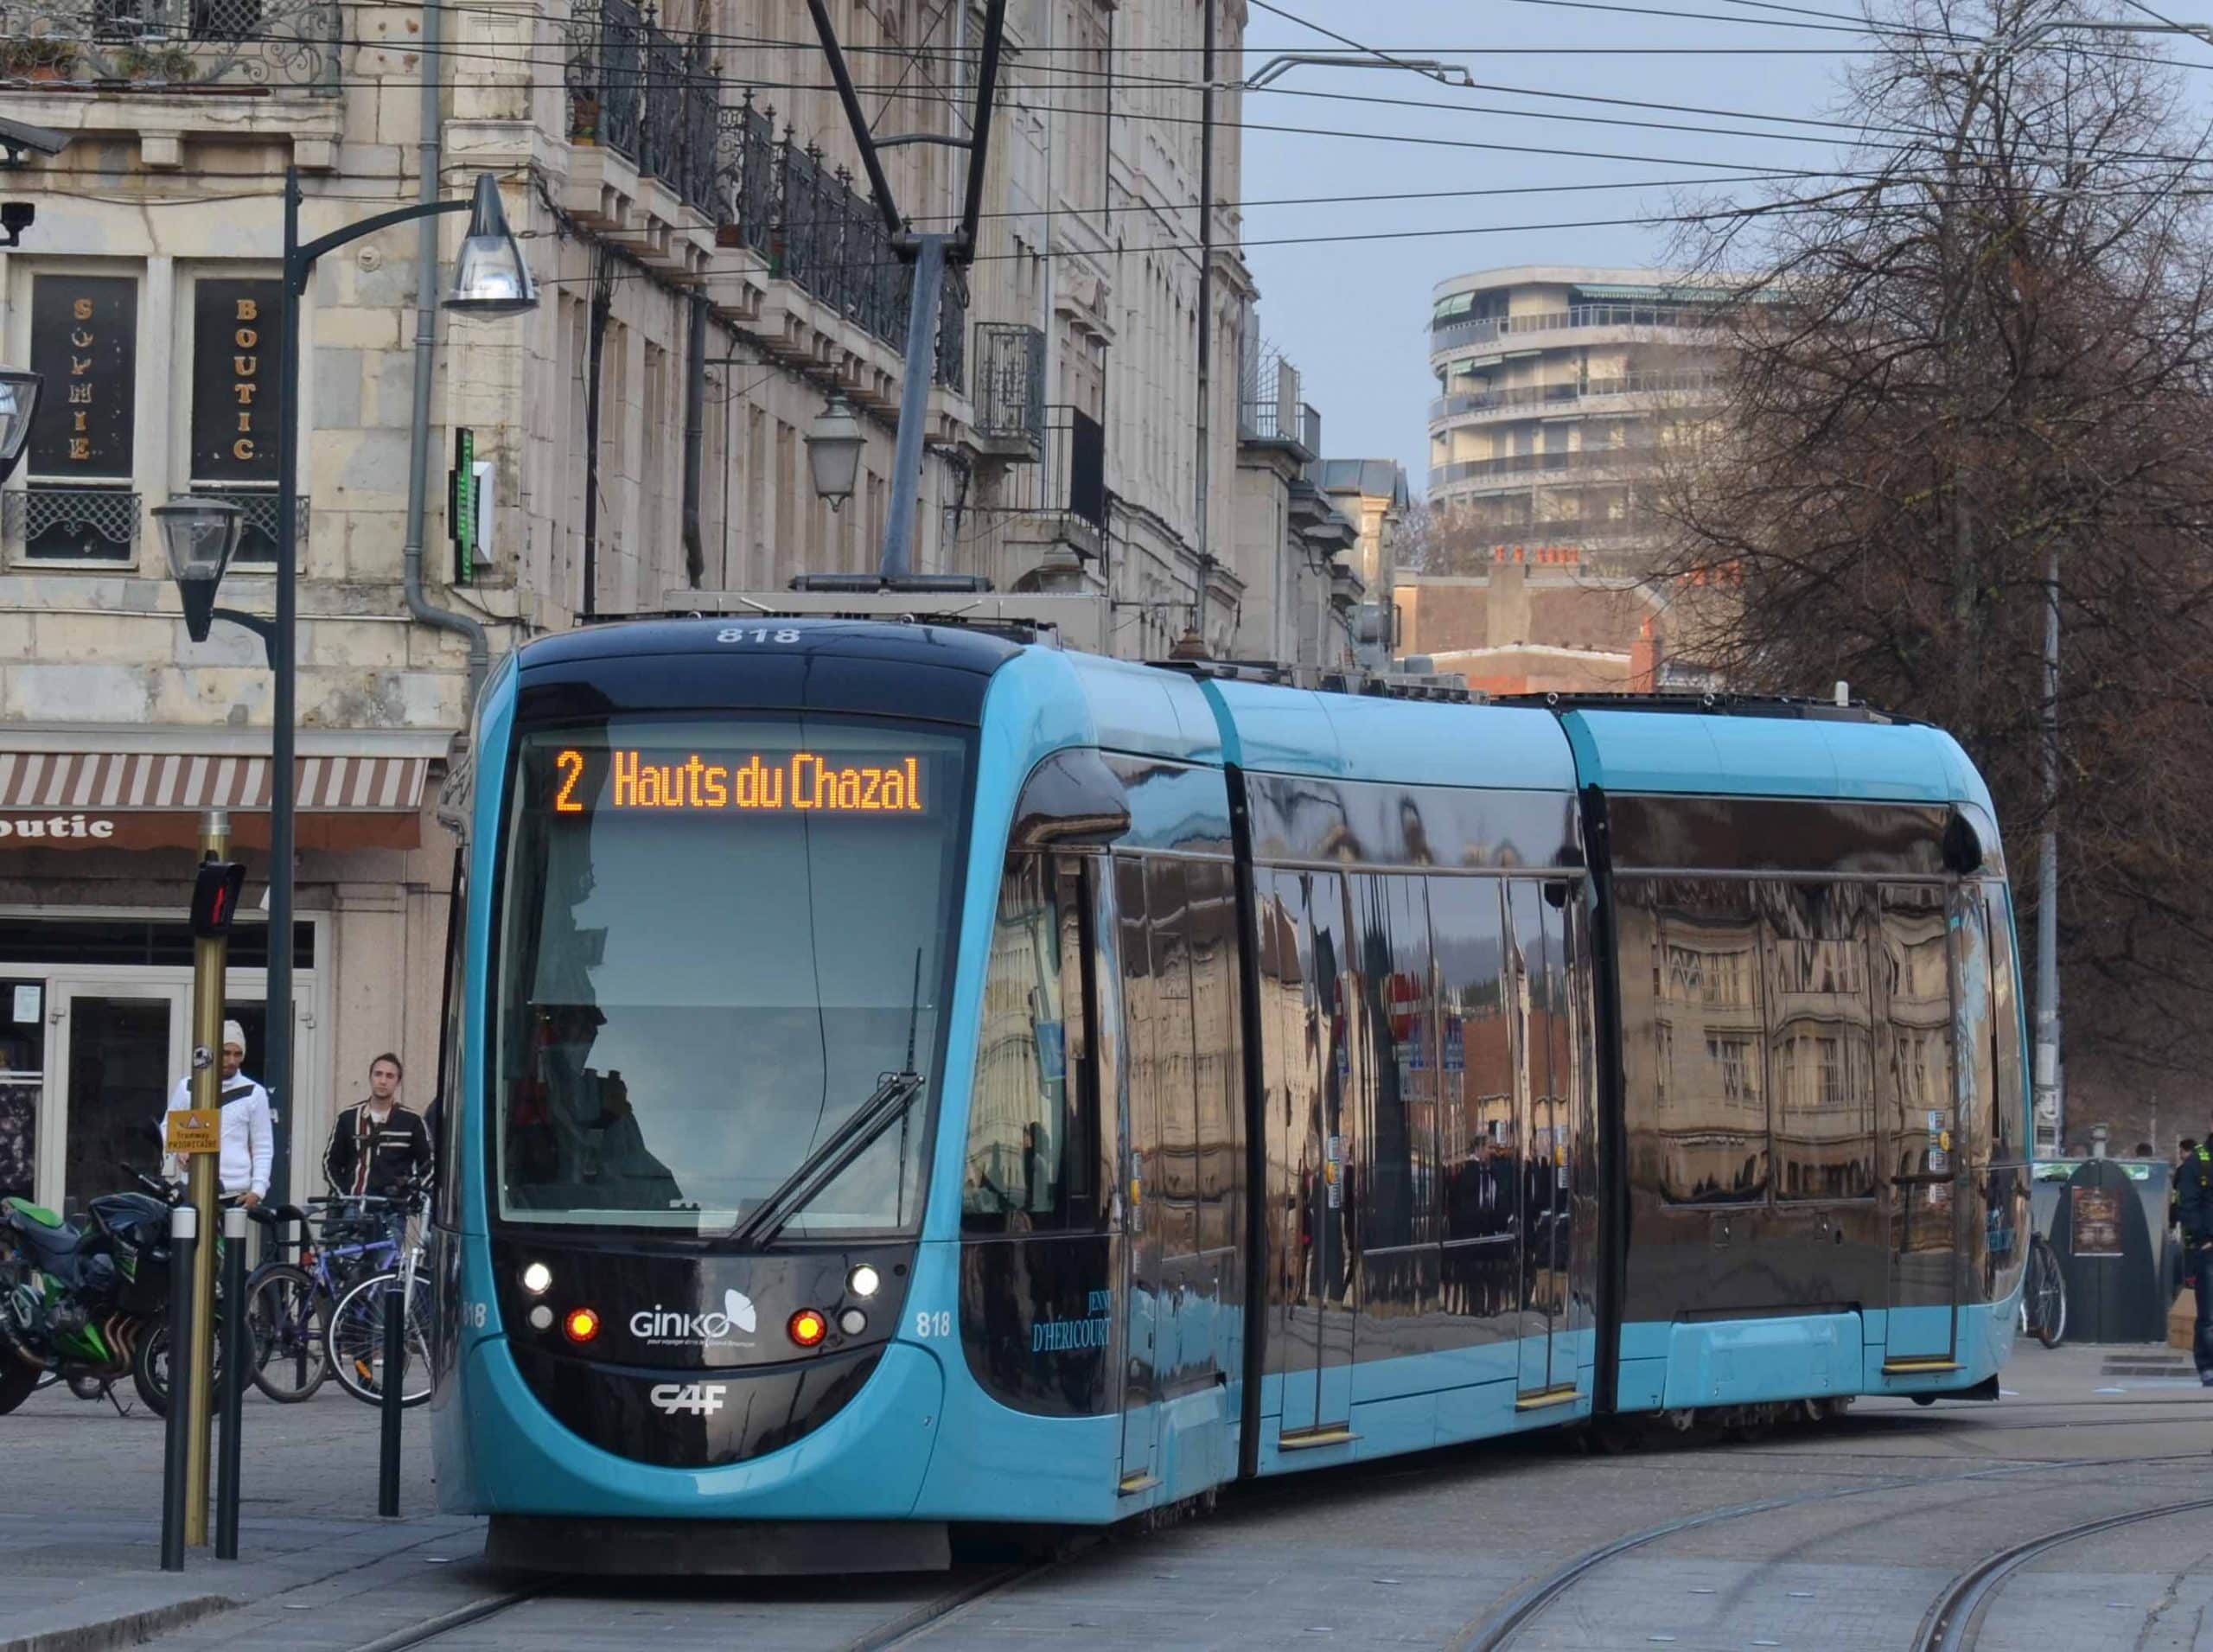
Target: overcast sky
1353, 316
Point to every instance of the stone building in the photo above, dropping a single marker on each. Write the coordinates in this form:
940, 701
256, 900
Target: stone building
709, 272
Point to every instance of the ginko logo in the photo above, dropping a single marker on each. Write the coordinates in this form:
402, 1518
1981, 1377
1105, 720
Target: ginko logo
659, 1324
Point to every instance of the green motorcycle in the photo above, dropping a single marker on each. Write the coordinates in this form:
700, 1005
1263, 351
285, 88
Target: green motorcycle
86, 1299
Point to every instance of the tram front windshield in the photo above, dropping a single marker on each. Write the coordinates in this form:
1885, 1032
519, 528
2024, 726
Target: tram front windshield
718, 937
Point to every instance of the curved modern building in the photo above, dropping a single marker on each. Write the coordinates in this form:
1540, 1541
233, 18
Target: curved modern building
1557, 387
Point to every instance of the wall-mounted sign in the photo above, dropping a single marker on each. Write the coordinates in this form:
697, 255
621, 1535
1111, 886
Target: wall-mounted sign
2097, 1221
84, 341
237, 344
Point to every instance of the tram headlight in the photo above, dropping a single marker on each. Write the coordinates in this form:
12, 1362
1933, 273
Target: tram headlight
852, 1322
863, 1281
580, 1325
808, 1328
537, 1278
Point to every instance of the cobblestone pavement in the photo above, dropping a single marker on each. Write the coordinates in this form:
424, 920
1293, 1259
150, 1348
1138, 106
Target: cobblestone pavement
1863, 1521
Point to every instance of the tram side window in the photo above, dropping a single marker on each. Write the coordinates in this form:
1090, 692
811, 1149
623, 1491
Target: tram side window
1172, 925
1212, 890
1820, 1033
2008, 1102
1032, 1123
1477, 1145
1693, 1037
1394, 930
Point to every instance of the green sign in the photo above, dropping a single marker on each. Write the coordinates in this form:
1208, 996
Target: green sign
460, 511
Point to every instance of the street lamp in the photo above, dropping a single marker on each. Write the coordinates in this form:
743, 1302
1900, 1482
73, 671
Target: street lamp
18, 401
489, 277
490, 280
201, 536
833, 451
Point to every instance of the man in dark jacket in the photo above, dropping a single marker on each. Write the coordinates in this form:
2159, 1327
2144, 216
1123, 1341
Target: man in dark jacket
2194, 1210
377, 1144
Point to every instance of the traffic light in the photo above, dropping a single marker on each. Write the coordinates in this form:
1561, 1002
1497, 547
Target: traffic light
215, 898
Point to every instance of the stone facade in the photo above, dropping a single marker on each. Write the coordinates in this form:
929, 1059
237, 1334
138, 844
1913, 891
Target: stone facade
703, 244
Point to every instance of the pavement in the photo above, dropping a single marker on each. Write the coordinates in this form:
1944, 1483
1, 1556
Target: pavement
1865, 1518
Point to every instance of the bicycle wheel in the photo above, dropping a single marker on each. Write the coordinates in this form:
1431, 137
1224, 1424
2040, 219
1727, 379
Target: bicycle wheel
356, 1340
2050, 1314
290, 1358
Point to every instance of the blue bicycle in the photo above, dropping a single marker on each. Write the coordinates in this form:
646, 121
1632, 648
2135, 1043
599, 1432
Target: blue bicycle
289, 1305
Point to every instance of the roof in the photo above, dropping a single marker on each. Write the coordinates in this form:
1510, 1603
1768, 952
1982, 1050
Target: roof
1553, 275
1358, 736
1369, 478
1719, 754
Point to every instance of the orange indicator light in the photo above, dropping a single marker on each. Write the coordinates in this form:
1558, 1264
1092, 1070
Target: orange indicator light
580, 1324
808, 1328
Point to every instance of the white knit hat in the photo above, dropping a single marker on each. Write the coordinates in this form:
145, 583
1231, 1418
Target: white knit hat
234, 1034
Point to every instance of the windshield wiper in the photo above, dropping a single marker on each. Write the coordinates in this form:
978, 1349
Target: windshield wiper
885, 1107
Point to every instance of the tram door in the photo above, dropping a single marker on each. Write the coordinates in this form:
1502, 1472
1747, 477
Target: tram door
1920, 1118
1326, 1080
1550, 1107
1138, 1199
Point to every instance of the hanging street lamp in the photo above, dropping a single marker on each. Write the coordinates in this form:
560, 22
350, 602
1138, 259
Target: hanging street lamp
834, 441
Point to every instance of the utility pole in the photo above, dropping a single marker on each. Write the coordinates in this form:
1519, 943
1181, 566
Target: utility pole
1206, 327
2050, 1097
930, 255
209, 953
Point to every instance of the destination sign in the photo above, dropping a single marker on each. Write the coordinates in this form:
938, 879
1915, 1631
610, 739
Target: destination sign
587, 781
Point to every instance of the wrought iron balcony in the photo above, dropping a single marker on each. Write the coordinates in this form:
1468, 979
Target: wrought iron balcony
1064, 496
257, 522
1010, 384
171, 45
651, 98
780, 198
79, 524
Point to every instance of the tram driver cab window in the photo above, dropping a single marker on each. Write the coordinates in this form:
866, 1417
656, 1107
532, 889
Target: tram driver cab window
1033, 1109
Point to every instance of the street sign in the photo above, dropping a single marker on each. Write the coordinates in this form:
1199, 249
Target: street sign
195, 1129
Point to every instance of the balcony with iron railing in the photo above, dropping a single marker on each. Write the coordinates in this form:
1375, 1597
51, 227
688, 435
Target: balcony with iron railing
1010, 389
805, 222
1516, 399
171, 69
1465, 332
1061, 499
170, 47
1522, 468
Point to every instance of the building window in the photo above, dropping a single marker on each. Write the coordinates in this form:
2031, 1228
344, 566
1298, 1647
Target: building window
79, 504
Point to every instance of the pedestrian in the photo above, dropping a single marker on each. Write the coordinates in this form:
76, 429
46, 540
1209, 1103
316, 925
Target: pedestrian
2194, 1208
249, 1138
376, 1145
2174, 1187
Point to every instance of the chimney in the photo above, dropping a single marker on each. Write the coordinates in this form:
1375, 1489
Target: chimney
1644, 660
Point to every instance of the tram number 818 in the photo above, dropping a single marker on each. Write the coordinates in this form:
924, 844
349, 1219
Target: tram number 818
933, 1324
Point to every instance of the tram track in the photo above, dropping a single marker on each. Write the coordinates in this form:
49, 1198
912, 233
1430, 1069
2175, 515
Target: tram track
894, 1632
1954, 1622
1501, 1627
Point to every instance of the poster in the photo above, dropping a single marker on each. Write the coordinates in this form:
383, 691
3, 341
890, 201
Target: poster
2097, 1221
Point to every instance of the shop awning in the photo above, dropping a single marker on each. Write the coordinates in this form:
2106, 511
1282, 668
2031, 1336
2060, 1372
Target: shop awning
92, 788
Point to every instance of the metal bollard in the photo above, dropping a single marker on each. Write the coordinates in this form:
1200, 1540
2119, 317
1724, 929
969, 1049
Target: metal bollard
184, 1234
233, 1394
395, 1390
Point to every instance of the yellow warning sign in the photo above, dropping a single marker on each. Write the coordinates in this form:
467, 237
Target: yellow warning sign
195, 1130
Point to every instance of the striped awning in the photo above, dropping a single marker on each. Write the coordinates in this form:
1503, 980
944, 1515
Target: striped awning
165, 782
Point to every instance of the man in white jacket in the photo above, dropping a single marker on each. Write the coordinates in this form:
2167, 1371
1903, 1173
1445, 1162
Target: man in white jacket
249, 1141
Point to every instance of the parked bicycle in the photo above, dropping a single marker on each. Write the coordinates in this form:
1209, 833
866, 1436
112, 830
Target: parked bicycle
2044, 1294
291, 1306
356, 1329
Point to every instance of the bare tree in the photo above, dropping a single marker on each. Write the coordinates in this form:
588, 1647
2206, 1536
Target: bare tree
1985, 343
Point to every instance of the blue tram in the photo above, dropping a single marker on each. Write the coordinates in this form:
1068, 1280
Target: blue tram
902, 1074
